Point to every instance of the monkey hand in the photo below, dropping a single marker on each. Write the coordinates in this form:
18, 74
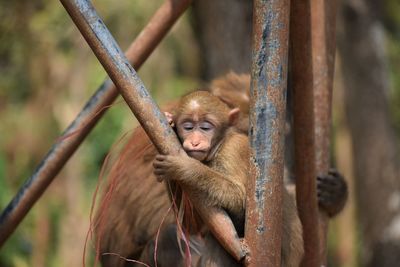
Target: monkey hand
171, 166
332, 192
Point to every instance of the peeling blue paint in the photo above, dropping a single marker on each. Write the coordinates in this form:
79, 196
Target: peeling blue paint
268, 89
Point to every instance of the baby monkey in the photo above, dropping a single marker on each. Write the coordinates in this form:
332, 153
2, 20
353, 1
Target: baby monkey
214, 167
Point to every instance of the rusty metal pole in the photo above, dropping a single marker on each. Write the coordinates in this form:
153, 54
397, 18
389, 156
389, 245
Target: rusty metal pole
137, 53
323, 21
303, 112
122, 74
263, 229
146, 111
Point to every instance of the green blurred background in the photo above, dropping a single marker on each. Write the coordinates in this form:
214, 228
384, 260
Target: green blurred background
47, 73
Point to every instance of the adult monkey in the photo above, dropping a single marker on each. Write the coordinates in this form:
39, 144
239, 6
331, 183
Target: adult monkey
234, 90
139, 202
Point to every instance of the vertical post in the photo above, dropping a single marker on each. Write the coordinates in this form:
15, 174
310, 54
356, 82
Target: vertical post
61, 151
303, 112
146, 111
323, 21
263, 228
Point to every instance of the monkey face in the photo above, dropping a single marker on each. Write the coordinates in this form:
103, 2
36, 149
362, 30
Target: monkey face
201, 120
196, 137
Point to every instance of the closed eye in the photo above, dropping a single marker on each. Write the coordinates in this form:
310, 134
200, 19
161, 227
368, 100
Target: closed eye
206, 126
188, 126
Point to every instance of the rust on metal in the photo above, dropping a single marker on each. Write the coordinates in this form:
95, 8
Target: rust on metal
137, 53
122, 74
323, 21
263, 228
303, 111
145, 109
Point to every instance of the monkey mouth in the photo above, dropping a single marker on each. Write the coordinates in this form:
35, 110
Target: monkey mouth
197, 154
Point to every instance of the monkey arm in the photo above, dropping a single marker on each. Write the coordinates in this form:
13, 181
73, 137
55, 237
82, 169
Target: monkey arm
219, 182
215, 188
223, 180
332, 192
211, 187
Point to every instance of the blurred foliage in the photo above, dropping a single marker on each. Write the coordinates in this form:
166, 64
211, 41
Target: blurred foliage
47, 72
392, 24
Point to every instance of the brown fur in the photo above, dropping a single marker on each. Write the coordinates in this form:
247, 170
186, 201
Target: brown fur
234, 90
137, 206
169, 251
291, 253
220, 180
140, 202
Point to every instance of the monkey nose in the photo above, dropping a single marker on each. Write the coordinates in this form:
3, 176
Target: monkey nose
195, 144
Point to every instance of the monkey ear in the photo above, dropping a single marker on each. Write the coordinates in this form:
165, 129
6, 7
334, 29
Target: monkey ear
234, 116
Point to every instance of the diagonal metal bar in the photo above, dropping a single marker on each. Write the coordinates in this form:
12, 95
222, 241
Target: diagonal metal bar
56, 158
263, 230
146, 111
303, 107
323, 21
122, 74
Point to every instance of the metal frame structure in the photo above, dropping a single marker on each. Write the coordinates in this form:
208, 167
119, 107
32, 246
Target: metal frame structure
303, 120
269, 81
323, 28
61, 151
267, 131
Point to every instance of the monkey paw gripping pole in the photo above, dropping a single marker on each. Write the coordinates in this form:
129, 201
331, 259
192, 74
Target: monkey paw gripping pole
145, 109
62, 150
313, 53
313, 56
